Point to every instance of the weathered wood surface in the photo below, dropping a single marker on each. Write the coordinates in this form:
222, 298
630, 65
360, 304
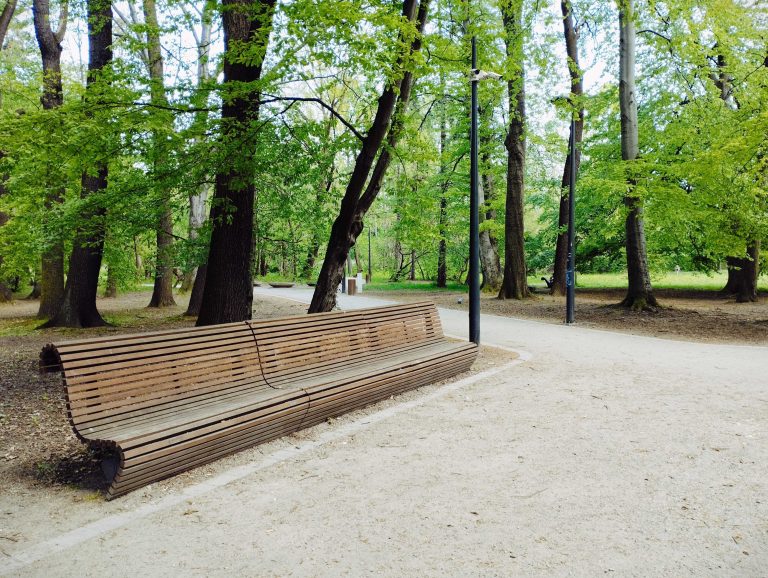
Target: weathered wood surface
172, 400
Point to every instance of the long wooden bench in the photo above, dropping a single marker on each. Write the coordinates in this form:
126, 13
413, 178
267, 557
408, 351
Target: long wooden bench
172, 400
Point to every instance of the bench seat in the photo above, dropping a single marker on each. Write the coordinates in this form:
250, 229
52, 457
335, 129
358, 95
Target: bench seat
169, 401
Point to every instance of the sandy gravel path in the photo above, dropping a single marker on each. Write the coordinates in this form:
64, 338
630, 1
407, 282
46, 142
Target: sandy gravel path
603, 453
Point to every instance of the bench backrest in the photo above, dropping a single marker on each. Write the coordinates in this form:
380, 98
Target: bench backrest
302, 344
399, 325
299, 346
107, 377
113, 376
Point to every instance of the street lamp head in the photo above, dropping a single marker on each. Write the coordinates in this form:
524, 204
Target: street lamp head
477, 75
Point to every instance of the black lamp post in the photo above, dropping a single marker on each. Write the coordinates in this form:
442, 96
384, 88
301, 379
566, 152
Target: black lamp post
570, 274
474, 217
370, 274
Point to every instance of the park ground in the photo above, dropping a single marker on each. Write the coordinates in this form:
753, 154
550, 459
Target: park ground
606, 451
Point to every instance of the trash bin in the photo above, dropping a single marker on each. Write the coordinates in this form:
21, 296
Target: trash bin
351, 286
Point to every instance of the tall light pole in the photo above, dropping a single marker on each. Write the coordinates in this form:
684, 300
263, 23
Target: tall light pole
370, 274
475, 76
570, 273
474, 215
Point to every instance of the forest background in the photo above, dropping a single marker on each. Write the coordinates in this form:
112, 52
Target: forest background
204, 144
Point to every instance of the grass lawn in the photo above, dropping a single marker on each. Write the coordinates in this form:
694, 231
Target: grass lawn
685, 280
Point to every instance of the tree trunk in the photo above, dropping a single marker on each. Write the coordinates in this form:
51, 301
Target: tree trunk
198, 198
358, 198
577, 91
162, 293
639, 291
490, 265
5, 292
78, 306
5, 20
489, 252
35, 293
442, 272
110, 291
49, 42
743, 273
515, 283
196, 297
228, 292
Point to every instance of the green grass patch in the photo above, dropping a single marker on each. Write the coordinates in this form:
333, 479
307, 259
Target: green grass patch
684, 280
18, 326
411, 286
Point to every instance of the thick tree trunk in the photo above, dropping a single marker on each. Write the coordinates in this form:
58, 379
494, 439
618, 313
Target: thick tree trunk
489, 252
358, 198
228, 292
639, 291
515, 283
49, 42
743, 273
577, 90
490, 264
78, 306
162, 292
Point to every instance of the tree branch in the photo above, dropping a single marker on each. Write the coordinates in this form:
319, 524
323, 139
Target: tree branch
322, 103
63, 17
659, 34
5, 20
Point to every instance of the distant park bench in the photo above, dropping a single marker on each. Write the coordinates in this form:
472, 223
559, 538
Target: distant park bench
172, 400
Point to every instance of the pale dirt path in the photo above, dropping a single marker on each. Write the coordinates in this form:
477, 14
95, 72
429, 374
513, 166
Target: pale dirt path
606, 453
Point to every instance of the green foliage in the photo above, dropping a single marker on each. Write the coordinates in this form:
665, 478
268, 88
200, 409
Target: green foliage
701, 176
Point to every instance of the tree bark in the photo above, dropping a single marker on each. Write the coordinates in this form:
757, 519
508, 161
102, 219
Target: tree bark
49, 42
198, 198
110, 291
5, 292
5, 20
577, 91
639, 291
78, 306
743, 273
489, 252
228, 291
442, 271
515, 283
358, 198
196, 297
162, 292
